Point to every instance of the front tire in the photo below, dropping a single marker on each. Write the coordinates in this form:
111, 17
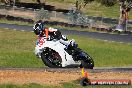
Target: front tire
51, 58
88, 63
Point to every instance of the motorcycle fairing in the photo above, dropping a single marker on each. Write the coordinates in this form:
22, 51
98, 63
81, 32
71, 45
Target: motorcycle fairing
60, 49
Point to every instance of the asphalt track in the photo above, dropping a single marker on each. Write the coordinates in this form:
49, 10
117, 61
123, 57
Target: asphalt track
95, 70
122, 38
102, 36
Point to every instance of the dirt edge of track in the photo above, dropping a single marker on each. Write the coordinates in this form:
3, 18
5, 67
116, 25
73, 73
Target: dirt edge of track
54, 78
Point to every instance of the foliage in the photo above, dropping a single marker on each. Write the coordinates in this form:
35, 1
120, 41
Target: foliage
82, 3
42, 14
107, 3
77, 17
87, 1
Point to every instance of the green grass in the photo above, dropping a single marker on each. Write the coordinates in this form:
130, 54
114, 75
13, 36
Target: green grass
15, 22
106, 53
63, 85
95, 9
32, 85
77, 85
17, 50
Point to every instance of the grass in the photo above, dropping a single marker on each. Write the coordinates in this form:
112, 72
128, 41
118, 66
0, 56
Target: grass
17, 50
15, 22
64, 85
106, 53
32, 85
95, 9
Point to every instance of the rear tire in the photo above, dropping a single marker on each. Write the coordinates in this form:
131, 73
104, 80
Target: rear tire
51, 59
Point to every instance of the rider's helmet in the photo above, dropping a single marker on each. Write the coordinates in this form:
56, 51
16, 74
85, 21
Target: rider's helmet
38, 27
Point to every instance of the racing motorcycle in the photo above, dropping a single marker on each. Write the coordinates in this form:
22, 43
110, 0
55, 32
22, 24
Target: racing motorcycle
54, 54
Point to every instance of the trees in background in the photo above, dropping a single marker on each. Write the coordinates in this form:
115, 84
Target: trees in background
11, 1
7, 1
82, 3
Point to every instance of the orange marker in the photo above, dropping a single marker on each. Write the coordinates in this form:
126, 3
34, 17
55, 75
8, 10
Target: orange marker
84, 74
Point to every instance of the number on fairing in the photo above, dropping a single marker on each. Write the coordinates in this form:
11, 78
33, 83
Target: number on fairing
41, 41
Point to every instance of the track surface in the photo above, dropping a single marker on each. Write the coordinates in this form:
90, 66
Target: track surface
95, 70
122, 38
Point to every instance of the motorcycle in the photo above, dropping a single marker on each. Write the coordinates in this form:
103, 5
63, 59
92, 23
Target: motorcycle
54, 54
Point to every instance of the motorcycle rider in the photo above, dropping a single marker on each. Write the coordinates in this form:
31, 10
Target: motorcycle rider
41, 30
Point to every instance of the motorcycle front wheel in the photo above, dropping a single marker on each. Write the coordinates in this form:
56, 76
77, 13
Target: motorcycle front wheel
51, 58
88, 63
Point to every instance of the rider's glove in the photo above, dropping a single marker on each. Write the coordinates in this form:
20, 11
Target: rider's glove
73, 43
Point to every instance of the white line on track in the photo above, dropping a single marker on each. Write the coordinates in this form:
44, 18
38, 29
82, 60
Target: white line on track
129, 43
125, 34
14, 29
106, 40
22, 30
6, 28
22, 7
121, 42
112, 41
